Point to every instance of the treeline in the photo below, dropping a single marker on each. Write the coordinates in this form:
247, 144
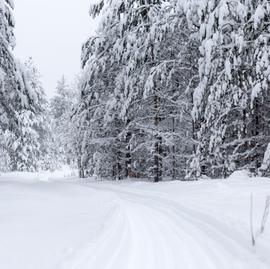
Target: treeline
175, 89
170, 89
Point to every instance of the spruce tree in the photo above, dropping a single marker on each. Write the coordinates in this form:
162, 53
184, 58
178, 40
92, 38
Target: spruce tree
29, 146
135, 104
231, 99
64, 132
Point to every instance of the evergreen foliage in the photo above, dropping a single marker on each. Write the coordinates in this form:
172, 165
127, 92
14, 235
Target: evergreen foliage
175, 89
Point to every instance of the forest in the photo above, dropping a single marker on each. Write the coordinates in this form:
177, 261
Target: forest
168, 90
156, 155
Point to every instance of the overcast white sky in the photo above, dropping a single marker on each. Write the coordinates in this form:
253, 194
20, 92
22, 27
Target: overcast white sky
52, 31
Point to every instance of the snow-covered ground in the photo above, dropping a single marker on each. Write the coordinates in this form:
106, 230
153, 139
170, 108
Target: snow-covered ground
49, 222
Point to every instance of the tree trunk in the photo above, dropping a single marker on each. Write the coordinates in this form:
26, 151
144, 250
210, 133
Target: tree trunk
173, 152
81, 171
81, 168
158, 144
118, 166
119, 169
128, 170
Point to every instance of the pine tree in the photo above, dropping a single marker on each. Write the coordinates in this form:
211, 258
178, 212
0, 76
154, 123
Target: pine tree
64, 131
11, 84
109, 53
134, 108
8, 72
232, 129
7, 23
29, 146
99, 124
256, 30
152, 97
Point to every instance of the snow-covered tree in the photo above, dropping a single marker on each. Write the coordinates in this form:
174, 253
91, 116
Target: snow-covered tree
7, 23
135, 105
231, 99
99, 125
9, 87
28, 146
257, 31
63, 134
12, 88
103, 90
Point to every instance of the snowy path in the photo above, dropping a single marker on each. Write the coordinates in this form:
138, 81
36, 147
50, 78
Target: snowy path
156, 232
146, 226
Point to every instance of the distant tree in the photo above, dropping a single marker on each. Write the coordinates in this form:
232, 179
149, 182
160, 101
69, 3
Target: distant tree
63, 129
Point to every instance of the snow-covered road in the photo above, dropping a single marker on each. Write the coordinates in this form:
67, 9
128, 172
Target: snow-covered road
102, 225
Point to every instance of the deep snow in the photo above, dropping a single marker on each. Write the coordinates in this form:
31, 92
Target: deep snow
49, 222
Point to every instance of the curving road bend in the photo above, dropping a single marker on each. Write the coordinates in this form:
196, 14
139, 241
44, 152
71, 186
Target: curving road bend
151, 230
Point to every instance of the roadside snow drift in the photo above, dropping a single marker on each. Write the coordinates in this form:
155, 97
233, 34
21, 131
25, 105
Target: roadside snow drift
73, 224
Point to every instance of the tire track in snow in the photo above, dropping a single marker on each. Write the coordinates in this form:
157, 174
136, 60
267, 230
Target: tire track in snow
155, 232
229, 247
94, 254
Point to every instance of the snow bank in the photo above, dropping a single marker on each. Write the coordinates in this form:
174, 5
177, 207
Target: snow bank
241, 174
